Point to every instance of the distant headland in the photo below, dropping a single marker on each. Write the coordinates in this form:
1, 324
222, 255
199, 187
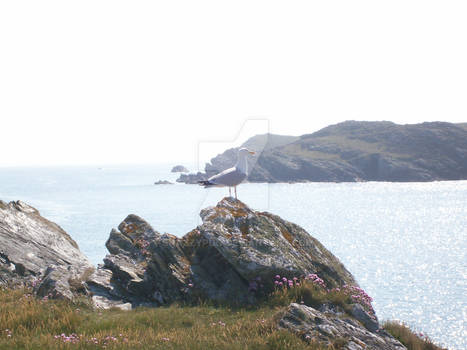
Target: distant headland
354, 151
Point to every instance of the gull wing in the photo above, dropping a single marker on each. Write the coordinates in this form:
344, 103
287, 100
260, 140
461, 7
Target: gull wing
229, 177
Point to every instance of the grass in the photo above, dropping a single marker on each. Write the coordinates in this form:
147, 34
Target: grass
30, 323
36, 324
336, 143
312, 291
408, 337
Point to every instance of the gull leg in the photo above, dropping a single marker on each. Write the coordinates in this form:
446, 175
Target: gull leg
230, 191
235, 188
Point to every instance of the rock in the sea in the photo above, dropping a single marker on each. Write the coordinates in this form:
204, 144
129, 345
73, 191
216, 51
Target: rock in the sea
163, 182
220, 259
192, 178
179, 169
36, 251
329, 329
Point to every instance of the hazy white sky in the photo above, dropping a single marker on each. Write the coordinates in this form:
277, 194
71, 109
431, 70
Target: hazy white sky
145, 81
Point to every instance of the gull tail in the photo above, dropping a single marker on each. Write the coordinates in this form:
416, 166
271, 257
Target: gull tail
206, 183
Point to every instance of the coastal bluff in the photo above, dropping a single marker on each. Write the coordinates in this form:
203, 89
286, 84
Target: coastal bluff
234, 256
353, 151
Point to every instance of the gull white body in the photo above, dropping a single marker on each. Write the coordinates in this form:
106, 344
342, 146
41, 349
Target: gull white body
231, 177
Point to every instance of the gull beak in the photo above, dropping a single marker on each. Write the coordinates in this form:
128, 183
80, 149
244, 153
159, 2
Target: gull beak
251, 152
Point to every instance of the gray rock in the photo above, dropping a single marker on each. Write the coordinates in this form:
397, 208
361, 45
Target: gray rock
233, 255
104, 291
354, 151
34, 249
369, 321
262, 244
179, 169
101, 302
119, 243
163, 182
63, 282
330, 330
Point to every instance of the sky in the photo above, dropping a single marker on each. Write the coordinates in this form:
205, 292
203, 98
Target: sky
101, 82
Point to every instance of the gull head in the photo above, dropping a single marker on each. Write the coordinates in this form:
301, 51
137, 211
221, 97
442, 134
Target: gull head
244, 152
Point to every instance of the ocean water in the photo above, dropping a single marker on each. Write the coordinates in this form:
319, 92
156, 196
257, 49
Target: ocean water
404, 242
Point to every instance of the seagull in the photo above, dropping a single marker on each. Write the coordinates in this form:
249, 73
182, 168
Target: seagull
233, 176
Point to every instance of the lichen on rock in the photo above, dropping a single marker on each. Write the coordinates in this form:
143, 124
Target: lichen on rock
218, 260
331, 329
32, 247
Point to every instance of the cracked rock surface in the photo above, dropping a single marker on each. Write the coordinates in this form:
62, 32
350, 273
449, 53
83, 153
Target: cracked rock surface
32, 248
331, 329
233, 255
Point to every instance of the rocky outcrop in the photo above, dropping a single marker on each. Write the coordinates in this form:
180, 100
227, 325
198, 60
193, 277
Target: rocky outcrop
234, 256
233, 249
337, 329
38, 252
192, 178
357, 151
163, 182
179, 169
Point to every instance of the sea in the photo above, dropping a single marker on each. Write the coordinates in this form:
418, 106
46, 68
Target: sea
405, 243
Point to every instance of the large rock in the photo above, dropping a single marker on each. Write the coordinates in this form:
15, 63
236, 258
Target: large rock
235, 248
179, 169
36, 251
335, 330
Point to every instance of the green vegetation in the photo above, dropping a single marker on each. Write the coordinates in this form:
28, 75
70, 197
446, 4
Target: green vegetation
312, 291
30, 323
408, 337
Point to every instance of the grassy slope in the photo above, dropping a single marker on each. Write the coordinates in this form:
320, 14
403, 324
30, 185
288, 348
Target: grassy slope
34, 325
28, 323
386, 138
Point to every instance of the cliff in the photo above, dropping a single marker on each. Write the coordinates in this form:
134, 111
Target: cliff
357, 151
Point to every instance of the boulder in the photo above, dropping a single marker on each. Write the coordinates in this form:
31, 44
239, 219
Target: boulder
179, 169
35, 251
332, 330
232, 256
63, 282
163, 182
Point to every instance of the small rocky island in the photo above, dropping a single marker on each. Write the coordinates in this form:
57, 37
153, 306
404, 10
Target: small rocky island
236, 255
179, 169
163, 182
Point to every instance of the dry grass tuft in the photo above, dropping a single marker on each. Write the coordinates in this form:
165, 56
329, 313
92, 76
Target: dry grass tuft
409, 338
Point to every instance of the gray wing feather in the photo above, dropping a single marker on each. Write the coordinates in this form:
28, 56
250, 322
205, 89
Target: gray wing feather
229, 177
